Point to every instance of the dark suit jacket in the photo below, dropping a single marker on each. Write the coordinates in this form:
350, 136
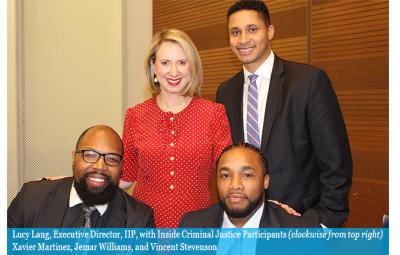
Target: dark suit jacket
42, 204
304, 139
273, 217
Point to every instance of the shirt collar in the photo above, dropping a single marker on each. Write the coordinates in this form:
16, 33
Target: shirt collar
264, 70
74, 199
253, 222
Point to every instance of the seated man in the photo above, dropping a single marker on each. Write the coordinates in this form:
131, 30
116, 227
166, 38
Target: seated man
91, 198
242, 179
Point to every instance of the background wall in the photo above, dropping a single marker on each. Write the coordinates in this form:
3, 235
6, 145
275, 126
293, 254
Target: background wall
12, 151
71, 64
139, 30
347, 38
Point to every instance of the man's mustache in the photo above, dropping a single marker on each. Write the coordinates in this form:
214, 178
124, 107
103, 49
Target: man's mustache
236, 194
98, 172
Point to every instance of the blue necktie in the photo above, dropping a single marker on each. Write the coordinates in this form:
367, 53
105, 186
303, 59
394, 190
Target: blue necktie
236, 247
253, 133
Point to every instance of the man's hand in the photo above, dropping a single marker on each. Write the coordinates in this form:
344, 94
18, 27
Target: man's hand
287, 208
52, 178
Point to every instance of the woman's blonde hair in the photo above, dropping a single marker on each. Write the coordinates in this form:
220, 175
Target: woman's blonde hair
190, 50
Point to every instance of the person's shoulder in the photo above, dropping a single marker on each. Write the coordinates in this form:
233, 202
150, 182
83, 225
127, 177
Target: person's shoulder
209, 105
203, 213
202, 101
46, 184
298, 67
200, 218
141, 108
132, 203
233, 80
34, 190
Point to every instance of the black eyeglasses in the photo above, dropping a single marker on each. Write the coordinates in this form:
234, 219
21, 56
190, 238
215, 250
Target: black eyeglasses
92, 156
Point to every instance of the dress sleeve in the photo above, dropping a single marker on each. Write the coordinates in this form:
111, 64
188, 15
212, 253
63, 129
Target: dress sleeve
221, 131
129, 165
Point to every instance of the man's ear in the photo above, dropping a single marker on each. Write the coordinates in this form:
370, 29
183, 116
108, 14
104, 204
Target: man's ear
266, 181
270, 31
73, 156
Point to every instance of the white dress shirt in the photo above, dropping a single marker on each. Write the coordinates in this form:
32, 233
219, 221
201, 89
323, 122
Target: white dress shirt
246, 246
253, 222
263, 80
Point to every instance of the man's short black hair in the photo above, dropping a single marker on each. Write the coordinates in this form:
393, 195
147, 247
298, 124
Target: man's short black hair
255, 5
245, 146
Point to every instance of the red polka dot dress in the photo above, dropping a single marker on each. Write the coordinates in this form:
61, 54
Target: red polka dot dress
171, 156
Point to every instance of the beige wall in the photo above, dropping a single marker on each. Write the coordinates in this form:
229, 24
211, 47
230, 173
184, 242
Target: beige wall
139, 31
12, 163
71, 64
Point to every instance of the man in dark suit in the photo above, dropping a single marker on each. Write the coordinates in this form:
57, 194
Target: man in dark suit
91, 198
290, 111
242, 179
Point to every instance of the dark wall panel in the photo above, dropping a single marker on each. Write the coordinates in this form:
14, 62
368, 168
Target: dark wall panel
347, 38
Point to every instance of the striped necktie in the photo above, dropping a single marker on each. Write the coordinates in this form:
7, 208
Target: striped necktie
253, 133
87, 213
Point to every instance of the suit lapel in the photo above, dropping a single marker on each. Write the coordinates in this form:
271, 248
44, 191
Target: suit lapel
274, 97
56, 206
118, 215
269, 218
237, 106
215, 222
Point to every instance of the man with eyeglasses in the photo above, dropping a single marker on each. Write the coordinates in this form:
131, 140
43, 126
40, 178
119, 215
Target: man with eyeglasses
91, 198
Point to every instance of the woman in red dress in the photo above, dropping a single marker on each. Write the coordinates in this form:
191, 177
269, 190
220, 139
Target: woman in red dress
172, 140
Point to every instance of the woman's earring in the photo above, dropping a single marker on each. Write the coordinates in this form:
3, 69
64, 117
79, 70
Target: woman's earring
155, 79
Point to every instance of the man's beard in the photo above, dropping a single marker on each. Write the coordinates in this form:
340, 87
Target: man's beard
241, 212
98, 195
